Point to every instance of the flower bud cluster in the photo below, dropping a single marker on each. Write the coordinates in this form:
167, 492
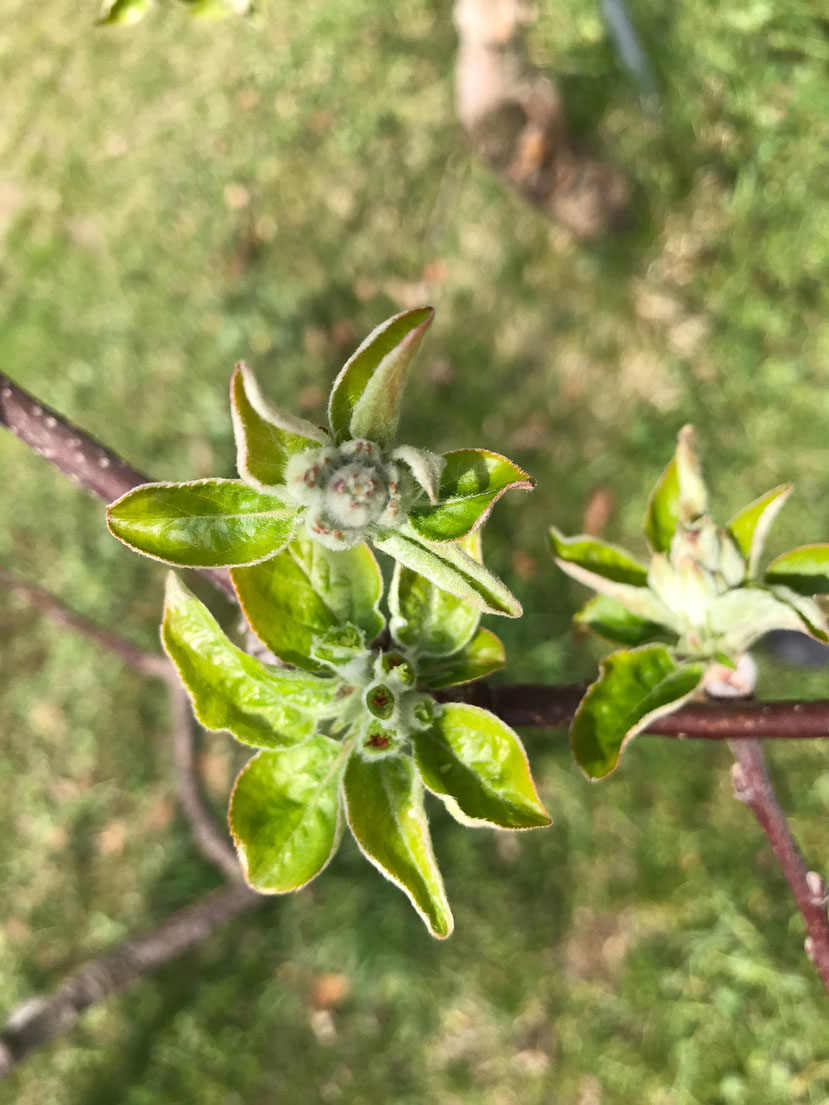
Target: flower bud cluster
381, 707
347, 489
704, 563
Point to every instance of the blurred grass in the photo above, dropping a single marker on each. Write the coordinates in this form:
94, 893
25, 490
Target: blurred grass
177, 196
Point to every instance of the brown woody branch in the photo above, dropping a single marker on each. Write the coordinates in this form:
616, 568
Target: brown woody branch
82, 459
40, 1019
552, 707
752, 785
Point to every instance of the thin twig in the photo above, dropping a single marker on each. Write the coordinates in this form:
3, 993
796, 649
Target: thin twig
40, 1019
210, 841
147, 663
75, 453
207, 836
752, 785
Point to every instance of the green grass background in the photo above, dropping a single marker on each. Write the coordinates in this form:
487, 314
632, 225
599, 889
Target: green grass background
179, 195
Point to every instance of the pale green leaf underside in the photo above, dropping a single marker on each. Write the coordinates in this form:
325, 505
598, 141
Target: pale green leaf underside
307, 589
600, 557
366, 396
472, 482
473, 758
479, 657
450, 568
210, 523
634, 688
428, 620
285, 815
266, 438
750, 526
384, 806
639, 601
805, 570
230, 690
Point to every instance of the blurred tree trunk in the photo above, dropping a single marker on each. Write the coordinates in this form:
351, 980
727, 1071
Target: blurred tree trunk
515, 118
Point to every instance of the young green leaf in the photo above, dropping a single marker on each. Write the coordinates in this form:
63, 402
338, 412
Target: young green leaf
479, 657
266, 438
426, 619
305, 590
639, 601
740, 617
610, 619
124, 12
600, 557
285, 815
633, 689
662, 510
472, 482
750, 526
384, 806
477, 764
805, 570
210, 523
366, 396
451, 569
261, 706
812, 618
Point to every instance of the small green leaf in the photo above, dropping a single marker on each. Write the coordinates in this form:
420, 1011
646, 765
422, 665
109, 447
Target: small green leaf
599, 557
261, 706
633, 689
805, 570
450, 568
266, 438
662, 511
366, 396
285, 815
750, 526
384, 806
478, 658
429, 621
472, 482
209, 523
124, 12
610, 619
477, 764
307, 589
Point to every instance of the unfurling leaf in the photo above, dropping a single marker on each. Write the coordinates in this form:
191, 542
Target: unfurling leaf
285, 815
425, 467
805, 570
366, 396
384, 806
600, 557
478, 766
639, 601
427, 619
750, 526
210, 523
450, 568
633, 689
472, 482
693, 493
307, 589
261, 706
266, 438
479, 657
662, 510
